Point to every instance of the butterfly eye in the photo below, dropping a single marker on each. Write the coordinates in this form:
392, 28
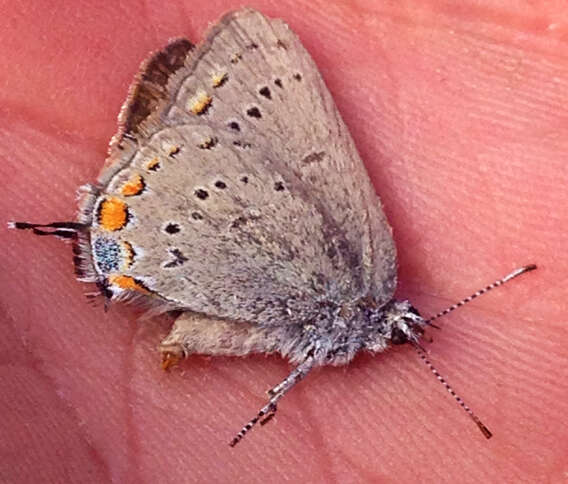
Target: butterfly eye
398, 337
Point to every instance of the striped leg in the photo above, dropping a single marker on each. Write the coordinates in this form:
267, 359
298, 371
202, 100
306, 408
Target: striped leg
277, 389
268, 411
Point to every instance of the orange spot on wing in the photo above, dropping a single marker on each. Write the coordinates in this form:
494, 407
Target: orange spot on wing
200, 103
128, 283
173, 150
153, 164
134, 186
112, 214
218, 79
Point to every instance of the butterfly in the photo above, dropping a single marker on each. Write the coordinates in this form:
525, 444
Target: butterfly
233, 196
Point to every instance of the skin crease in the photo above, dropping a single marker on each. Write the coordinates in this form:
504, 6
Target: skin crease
460, 115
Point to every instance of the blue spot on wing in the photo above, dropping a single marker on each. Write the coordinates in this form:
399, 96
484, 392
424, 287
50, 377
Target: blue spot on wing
107, 255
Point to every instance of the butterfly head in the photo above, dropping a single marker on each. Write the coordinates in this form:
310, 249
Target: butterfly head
396, 323
407, 324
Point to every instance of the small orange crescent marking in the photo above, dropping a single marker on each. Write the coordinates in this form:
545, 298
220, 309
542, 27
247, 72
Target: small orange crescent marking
127, 282
132, 187
219, 79
200, 103
153, 164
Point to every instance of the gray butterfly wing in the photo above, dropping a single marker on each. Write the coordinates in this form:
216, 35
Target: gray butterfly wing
254, 203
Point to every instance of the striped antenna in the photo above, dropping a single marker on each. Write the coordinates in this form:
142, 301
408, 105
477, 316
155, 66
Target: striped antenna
484, 430
500, 282
422, 353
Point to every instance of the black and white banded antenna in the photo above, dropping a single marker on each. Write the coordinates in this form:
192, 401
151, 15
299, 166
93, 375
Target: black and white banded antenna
422, 353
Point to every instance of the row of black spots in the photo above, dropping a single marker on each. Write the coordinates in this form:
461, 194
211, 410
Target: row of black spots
296, 76
173, 228
242, 144
203, 194
237, 56
252, 112
210, 143
278, 186
177, 259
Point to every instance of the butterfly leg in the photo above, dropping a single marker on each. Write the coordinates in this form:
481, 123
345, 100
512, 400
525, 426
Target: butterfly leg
275, 390
268, 411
